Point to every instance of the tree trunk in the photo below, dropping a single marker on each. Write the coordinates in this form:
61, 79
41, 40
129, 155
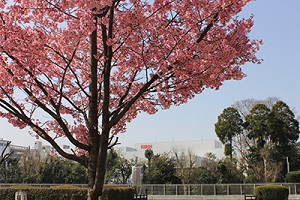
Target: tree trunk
99, 142
98, 168
231, 151
94, 137
265, 169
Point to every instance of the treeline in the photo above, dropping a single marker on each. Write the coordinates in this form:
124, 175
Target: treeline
262, 135
34, 170
176, 167
260, 140
157, 169
181, 168
172, 168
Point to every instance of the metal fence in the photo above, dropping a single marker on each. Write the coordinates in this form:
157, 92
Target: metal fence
210, 189
192, 189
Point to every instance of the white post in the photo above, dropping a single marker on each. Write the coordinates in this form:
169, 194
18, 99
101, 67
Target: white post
288, 164
20, 195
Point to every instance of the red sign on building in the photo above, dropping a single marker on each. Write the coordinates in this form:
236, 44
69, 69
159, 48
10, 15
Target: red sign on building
146, 146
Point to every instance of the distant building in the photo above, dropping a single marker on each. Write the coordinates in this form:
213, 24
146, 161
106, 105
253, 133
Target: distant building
197, 147
3, 149
39, 151
19, 151
38, 145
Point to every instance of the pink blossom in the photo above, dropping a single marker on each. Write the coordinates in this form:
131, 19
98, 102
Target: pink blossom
158, 55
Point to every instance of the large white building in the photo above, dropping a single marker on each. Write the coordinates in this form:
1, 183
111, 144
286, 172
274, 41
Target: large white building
197, 147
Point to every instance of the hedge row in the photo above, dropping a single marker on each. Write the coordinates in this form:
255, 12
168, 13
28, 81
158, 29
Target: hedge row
65, 193
292, 177
271, 192
118, 194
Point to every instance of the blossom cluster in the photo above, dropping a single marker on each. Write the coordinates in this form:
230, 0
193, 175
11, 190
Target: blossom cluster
186, 45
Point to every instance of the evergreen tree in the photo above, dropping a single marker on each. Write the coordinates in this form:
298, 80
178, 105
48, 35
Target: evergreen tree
228, 126
149, 155
58, 170
162, 171
285, 130
10, 171
273, 134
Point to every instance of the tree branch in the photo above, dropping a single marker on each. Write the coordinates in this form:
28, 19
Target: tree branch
55, 116
208, 27
126, 106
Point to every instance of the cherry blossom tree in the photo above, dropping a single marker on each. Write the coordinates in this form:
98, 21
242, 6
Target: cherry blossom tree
84, 69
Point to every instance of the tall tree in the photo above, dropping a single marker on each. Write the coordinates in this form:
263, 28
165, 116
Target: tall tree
228, 126
118, 169
149, 155
242, 143
285, 134
285, 129
163, 171
123, 172
259, 122
185, 164
89, 67
274, 134
269, 134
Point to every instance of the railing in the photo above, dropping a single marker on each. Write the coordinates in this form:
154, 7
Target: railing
249, 197
141, 197
211, 189
192, 189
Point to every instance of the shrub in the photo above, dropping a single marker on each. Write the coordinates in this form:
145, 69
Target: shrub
293, 177
77, 197
65, 187
118, 193
271, 192
34, 193
66, 192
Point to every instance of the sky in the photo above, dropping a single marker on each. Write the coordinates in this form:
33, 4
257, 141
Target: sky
277, 23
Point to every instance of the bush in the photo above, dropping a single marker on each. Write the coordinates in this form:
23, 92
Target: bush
271, 192
34, 193
293, 177
77, 197
118, 193
65, 187
66, 192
